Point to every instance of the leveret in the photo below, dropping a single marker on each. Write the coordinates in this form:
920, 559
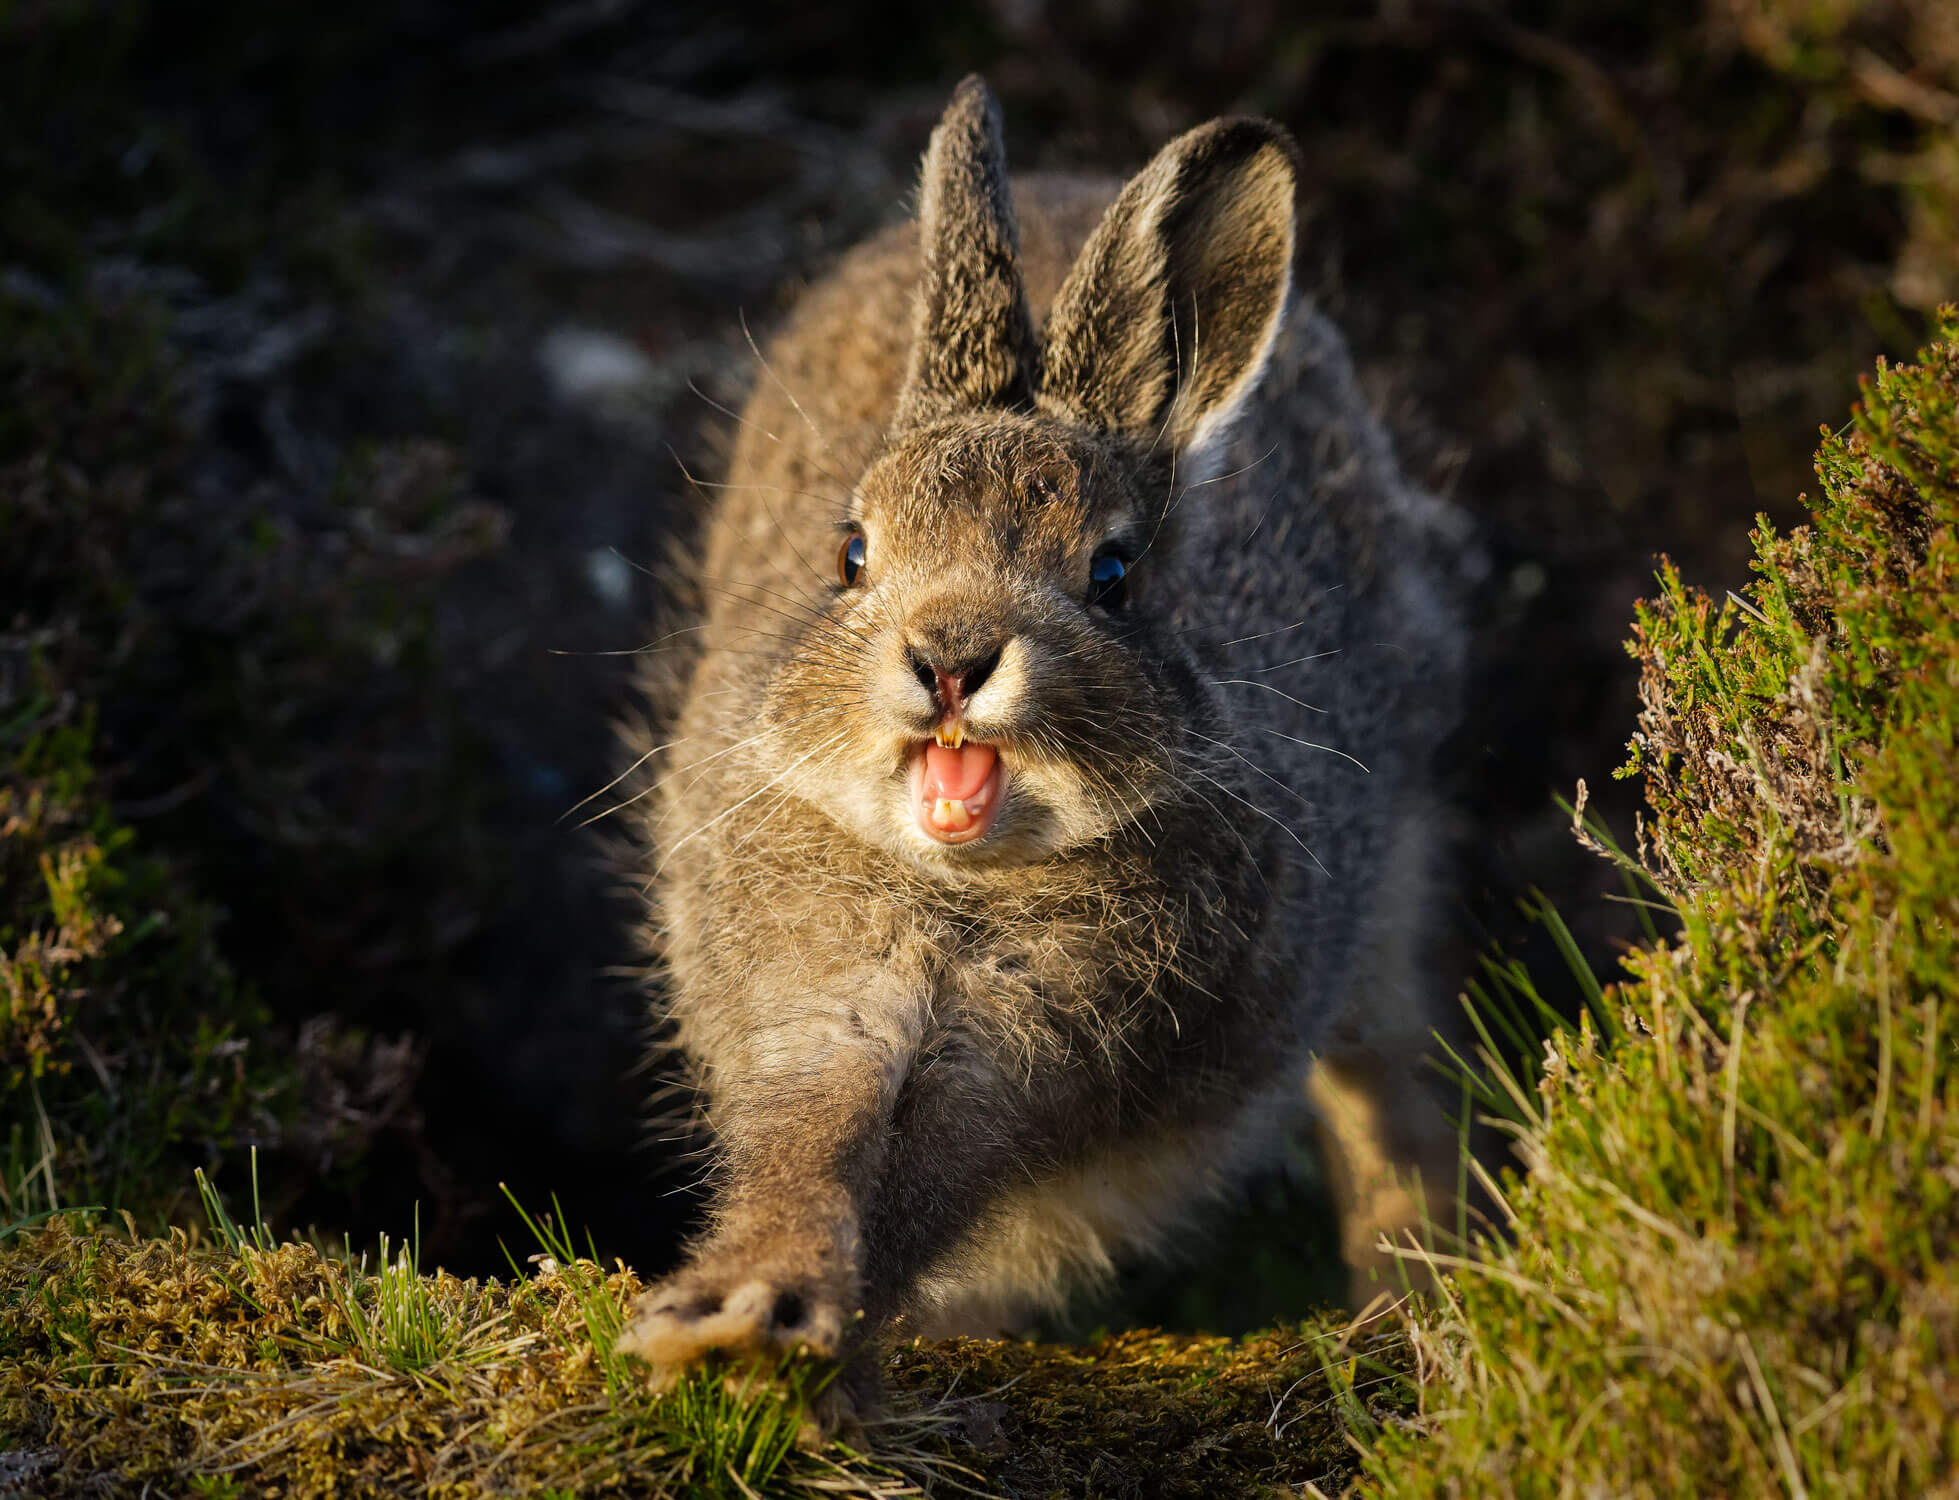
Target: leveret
1050, 793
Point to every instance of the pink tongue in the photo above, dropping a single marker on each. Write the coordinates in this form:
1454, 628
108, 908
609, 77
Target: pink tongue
957, 773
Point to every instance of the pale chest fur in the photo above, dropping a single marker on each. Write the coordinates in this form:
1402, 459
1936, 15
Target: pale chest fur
1110, 954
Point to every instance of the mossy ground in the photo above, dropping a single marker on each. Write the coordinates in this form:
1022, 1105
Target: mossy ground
235, 1365
1182, 1415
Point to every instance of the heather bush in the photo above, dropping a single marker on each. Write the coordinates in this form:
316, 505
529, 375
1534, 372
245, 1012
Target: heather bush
1725, 1267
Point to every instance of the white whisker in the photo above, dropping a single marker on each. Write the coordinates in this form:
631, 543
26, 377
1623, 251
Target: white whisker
1316, 656
1267, 816
769, 370
1242, 469
1311, 745
750, 422
1247, 682
737, 807
667, 745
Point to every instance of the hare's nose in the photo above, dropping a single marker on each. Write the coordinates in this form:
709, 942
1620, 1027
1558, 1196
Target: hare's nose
952, 682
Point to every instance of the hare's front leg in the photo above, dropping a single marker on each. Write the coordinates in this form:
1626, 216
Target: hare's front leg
801, 1101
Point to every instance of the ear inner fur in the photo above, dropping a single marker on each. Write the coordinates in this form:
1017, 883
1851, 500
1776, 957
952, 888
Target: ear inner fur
1166, 319
972, 335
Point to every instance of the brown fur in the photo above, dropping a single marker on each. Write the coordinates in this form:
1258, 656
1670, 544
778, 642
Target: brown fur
944, 1083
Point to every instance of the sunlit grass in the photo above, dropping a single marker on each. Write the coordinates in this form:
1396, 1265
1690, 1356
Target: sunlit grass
278, 1356
284, 1361
1723, 1267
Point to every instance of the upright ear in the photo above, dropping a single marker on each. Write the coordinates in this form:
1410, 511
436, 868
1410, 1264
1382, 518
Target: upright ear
1163, 325
972, 337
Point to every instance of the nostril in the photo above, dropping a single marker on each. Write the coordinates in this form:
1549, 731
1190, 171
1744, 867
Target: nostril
977, 672
949, 678
922, 670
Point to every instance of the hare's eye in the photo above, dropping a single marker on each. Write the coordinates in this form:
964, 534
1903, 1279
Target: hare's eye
1105, 580
850, 559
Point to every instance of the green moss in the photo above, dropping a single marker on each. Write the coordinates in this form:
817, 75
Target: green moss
253, 1368
1729, 1270
1144, 1413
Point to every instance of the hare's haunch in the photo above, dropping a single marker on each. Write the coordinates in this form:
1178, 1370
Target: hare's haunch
1050, 790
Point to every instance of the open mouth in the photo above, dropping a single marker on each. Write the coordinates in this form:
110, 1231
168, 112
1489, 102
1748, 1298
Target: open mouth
956, 791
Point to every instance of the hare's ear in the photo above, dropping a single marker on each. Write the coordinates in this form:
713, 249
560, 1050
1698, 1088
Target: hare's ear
972, 337
1164, 323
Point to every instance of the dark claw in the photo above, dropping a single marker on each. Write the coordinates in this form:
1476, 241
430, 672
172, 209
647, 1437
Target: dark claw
788, 1311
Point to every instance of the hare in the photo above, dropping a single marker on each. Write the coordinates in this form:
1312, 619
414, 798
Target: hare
1050, 789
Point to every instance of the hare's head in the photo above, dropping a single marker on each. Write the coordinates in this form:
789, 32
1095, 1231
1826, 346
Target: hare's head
995, 667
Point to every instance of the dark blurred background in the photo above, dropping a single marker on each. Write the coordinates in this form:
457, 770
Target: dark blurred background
351, 353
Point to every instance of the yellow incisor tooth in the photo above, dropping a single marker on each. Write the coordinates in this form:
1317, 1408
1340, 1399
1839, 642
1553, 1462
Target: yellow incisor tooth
950, 736
958, 735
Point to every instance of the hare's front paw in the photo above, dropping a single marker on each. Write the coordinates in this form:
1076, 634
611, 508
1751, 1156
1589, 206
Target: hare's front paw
731, 1310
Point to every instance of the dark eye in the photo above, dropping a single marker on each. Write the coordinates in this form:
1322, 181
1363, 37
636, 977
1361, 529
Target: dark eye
850, 558
1105, 585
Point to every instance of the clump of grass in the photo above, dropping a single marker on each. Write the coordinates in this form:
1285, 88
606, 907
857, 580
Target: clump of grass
217, 1214
746, 1427
1726, 1265
398, 1319
603, 1314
